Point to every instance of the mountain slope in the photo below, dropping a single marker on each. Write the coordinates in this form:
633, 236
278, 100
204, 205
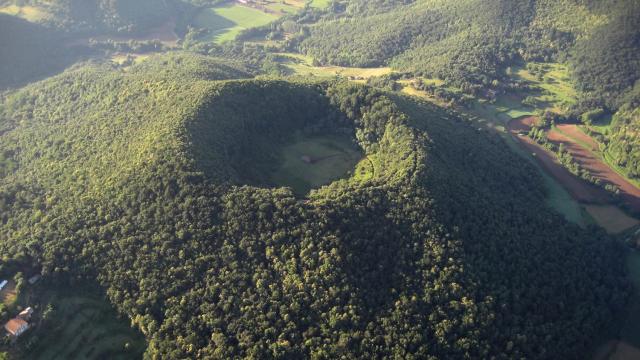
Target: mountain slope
29, 51
464, 42
150, 184
122, 16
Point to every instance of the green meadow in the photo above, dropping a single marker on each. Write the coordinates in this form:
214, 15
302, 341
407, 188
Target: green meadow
82, 326
226, 22
311, 162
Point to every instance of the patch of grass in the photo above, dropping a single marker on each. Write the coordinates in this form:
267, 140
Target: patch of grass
603, 124
554, 89
83, 327
321, 4
332, 157
519, 112
29, 13
365, 169
301, 65
557, 197
285, 6
226, 22
611, 218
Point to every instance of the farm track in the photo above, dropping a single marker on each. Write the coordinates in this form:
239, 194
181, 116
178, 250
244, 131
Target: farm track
629, 193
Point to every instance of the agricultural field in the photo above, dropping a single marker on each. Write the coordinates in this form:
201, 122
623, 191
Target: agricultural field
312, 162
611, 218
29, 13
226, 22
302, 65
284, 6
508, 107
82, 326
552, 82
558, 197
320, 4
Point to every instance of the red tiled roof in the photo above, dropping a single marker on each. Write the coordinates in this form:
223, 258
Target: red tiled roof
13, 325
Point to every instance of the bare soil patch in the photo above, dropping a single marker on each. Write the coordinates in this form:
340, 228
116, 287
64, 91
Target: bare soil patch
573, 131
629, 194
578, 188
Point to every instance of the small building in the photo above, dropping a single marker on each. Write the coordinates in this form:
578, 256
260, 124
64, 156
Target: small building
3, 283
16, 327
34, 279
26, 314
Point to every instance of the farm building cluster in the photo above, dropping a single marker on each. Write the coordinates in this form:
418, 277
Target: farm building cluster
20, 323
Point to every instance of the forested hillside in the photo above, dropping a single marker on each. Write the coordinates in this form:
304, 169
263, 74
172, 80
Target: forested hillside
29, 51
470, 45
468, 42
122, 16
151, 183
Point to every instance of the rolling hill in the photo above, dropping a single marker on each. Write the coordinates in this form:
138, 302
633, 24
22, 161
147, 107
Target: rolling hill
29, 51
158, 185
472, 44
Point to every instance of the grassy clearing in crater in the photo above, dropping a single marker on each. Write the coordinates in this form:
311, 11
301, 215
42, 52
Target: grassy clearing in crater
315, 161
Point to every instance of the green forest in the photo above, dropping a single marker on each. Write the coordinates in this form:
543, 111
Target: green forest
279, 194
156, 191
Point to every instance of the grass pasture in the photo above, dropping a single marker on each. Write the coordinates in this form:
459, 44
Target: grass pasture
333, 157
226, 22
555, 88
611, 218
302, 65
509, 106
286, 6
83, 327
320, 4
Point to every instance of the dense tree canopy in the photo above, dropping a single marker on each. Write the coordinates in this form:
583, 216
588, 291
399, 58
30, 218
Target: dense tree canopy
140, 180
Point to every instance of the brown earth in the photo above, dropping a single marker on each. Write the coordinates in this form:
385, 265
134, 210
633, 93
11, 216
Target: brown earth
629, 193
578, 188
573, 131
